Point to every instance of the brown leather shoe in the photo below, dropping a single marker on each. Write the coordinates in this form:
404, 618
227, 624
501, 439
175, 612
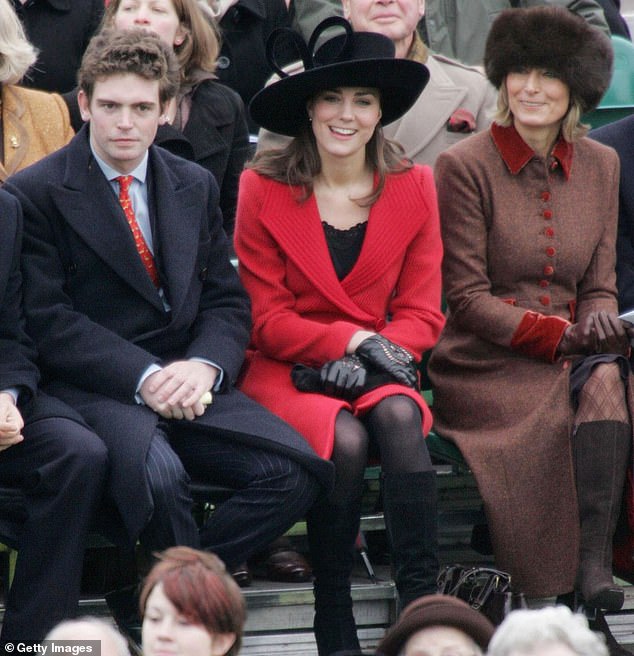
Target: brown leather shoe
241, 575
286, 565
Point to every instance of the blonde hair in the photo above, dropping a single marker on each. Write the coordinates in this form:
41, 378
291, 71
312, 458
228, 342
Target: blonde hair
17, 54
198, 53
571, 126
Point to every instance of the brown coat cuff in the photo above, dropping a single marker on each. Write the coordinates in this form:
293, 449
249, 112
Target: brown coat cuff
538, 336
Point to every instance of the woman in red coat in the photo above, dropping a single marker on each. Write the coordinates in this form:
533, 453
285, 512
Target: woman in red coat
339, 247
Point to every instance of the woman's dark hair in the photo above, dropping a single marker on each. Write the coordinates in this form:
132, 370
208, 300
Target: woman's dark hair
299, 162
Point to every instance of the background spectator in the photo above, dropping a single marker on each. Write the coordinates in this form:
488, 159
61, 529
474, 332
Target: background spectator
617, 24
546, 631
244, 27
32, 123
60, 30
437, 625
453, 28
111, 642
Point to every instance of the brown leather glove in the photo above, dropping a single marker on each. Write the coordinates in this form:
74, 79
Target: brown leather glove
598, 332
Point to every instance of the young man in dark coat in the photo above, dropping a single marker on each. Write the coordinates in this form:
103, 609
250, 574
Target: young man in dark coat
139, 314
55, 464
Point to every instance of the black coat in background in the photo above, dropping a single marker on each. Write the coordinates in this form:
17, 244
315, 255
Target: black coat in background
60, 30
617, 24
620, 135
242, 64
216, 136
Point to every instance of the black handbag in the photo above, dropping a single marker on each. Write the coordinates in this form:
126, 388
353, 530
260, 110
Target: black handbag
485, 589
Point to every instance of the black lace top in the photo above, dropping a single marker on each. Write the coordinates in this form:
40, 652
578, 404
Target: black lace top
344, 246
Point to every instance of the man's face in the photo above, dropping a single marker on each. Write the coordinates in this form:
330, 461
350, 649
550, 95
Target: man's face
396, 19
124, 114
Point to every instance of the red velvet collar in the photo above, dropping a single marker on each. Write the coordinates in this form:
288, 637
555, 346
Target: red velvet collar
516, 153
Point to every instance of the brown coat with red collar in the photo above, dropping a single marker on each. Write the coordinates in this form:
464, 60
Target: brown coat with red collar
528, 244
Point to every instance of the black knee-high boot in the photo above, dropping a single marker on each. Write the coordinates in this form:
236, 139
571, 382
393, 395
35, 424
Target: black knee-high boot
332, 531
410, 502
601, 451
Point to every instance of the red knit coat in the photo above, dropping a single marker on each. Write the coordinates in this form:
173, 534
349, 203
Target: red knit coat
303, 313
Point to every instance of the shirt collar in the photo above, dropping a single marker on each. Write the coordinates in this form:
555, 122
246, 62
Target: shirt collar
139, 173
516, 153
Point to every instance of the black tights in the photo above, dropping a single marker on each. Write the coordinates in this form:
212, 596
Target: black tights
394, 426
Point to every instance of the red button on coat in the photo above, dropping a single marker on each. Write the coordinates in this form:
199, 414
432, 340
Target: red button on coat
550, 251
544, 300
549, 232
544, 283
548, 214
549, 270
379, 325
545, 196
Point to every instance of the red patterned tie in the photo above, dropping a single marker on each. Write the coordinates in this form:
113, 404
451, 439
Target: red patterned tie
146, 256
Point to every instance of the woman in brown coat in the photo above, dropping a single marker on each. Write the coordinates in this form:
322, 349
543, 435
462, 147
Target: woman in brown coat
528, 212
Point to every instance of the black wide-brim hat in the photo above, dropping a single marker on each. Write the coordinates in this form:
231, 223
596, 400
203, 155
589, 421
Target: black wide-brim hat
552, 38
436, 610
353, 59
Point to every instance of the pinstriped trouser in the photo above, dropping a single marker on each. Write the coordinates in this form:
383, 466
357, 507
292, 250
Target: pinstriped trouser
272, 492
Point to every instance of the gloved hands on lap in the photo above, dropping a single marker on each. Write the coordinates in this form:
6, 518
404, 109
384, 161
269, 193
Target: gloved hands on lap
344, 378
380, 353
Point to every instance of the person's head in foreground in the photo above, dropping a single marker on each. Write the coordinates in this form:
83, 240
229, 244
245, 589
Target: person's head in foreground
550, 67
550, 631
435, 625
191, 606
111, 642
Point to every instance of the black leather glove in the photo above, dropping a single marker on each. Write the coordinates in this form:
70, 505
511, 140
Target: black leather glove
390, 358
344, 378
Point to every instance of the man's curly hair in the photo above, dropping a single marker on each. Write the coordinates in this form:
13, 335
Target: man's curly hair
136, 51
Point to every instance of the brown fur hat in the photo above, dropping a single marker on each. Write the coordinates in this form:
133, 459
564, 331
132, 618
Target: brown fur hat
555, 39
